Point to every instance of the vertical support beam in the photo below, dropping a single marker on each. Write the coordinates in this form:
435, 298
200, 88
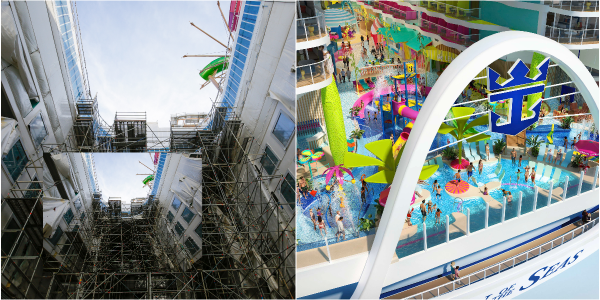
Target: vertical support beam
487, 214
550, 193
503, 208
447, 228
425, 236
580, 183
535, 196
520, 203
565, 187
468, 221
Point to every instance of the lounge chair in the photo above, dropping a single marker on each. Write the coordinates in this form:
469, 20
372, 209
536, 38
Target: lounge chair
532, 164
562, 150
540, 156
427, 162
547, 172
467, 152
551, 152
474, 151
364, 85
438, 161
556, 176
501, 176
539, 170
482, 150
567, 161
498, 169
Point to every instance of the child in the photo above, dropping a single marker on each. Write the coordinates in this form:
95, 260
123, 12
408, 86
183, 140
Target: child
369, 116
526, 173
429, 207
408, 216
518, 175
375, 118
438, 214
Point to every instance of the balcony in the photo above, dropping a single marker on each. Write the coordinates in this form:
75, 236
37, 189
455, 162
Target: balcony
312, 29
396, 10
451, 10
449, 34
587, 6
315, 73
571, 36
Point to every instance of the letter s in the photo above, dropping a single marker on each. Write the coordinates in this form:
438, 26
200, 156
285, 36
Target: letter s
576, 256
533, 278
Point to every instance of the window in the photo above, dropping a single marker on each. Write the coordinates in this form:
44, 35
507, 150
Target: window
54, 239
199, 230
176, 203
251, 9
170, 217
179, 229
191, 246
38, 130
284, 128
287, 190
68, 216
269, 161
16, 160
187, 215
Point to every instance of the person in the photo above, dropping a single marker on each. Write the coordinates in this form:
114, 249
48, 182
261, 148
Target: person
438, 214
509, 198
429, 207
418, 194
470, 171
343, 75
574, 142
373, 51
558, 157
480, 167
312, 218
485, 190
435, 184
566, 143
341, 232
584, 165
456, 273
408, 216
434, 207
584, 216
504, 193
549, 157
532, 176
392, 138
382, 57
518, 174
423, 210
369, 116
487, 150
319, 213
303, 187
526, 173
321, 224
362, 40
375, 116
513, 156
438, 192
299, 153
457, 177
520, 160
579, 137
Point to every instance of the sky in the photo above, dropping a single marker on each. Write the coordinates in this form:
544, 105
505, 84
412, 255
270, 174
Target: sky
133, 53
117, 174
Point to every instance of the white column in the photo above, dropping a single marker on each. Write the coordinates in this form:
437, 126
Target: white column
503, 208
550, 193
327, 246
580, 183
535, 195
468, 221
487, 214
595, 177
566, 186
425, 237
447, 228
520, 203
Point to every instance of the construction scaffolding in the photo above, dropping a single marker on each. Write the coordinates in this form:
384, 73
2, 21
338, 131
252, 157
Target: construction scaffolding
248, 239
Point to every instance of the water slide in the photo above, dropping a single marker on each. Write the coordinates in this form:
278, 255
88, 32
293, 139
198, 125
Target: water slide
405, 111
368, 97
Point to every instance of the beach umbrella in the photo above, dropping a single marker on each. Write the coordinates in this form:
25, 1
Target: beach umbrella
460, 188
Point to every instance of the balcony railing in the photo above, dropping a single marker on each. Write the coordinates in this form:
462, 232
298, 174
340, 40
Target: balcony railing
451, 10
310, 29
574, 5
572, 37
314, 73
396, 12
449, 34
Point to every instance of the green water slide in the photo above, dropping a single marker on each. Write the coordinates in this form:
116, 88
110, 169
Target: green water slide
216, 66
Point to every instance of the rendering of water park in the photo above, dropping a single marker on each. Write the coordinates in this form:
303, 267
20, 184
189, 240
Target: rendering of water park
474, 176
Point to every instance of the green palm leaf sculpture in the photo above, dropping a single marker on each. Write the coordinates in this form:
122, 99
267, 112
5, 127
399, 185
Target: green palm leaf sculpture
461, 129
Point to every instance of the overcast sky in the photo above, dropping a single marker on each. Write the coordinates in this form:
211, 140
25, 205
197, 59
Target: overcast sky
133, 53
117, 174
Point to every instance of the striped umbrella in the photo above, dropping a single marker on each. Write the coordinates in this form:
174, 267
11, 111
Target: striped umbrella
454, 188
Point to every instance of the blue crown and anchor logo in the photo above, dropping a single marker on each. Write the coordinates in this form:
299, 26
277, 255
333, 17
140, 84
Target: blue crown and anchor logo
518, 76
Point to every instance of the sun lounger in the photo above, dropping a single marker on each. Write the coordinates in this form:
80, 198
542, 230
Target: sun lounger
567, 160
547, 172
427, 162
498, 169
474, 151
562, 151
556, 176
363, 84
539, 170
482, 150
467, 151
532, 164
540, 156
551, 152
438, 161
501, 175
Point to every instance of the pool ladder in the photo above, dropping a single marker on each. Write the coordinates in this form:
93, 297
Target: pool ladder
458, 204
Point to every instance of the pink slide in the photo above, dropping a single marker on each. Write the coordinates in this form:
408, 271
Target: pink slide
369, 96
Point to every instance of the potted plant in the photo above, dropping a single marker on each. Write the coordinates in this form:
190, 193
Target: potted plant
577, 160
366, 224
534, 142
566, 122
498, 146
449, 153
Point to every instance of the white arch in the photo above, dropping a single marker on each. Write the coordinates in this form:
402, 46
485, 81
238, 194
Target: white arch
441, 98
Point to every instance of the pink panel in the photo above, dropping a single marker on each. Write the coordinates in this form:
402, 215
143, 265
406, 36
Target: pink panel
463, 29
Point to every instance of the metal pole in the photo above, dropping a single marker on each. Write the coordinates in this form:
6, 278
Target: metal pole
425, 236
447, 228
566, 186
520, 203
503, 208
327, 245
487, 214
550, 193
580, 183
468, 221
535, 195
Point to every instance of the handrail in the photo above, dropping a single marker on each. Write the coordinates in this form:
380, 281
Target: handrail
572, 36
327, 71
559, 4
319, 19
585, 227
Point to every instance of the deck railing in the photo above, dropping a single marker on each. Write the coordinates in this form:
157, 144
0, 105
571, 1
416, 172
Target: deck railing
315, 72
312, 28
571, 36
574, 5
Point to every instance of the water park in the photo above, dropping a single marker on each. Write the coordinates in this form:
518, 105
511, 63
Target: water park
474, 176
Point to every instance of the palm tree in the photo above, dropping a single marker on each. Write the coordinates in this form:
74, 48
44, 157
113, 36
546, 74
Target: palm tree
460, 129
357, 134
